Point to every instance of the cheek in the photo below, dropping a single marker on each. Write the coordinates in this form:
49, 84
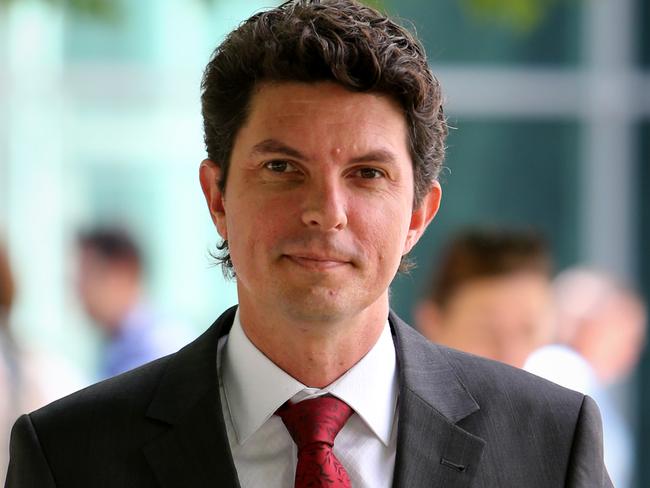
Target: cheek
383, 232
254, 227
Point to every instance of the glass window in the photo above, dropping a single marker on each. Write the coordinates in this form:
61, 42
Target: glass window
515, 172
454, 31
124, 31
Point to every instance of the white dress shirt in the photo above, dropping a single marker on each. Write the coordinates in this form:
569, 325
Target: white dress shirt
252, 388
564, 366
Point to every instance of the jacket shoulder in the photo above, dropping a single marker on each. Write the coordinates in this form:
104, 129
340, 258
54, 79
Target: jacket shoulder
492, 381
96, 432
126, 392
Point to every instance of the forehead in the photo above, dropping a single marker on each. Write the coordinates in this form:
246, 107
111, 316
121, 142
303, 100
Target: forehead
325, 115
523, 285
320, 95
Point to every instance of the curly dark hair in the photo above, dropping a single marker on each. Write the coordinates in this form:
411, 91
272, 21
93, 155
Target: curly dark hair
323, 40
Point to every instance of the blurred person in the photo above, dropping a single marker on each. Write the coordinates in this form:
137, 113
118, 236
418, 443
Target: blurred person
490, 295
28, 379
325, 134
10, 404
111, 290
600, 333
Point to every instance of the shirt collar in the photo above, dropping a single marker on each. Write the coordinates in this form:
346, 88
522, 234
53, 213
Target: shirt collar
255, 387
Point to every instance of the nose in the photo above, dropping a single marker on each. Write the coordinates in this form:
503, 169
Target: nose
325, 207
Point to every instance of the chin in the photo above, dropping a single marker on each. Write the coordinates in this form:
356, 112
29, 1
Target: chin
315, 306
318, 312
323, 303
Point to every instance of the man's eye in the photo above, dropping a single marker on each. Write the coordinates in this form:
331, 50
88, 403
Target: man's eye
369, 173
280, 166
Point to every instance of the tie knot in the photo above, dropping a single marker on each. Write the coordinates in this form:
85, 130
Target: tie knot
316, 420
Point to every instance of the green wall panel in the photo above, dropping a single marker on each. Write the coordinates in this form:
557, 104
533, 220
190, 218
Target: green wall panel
520, 172
644, 32
453, 32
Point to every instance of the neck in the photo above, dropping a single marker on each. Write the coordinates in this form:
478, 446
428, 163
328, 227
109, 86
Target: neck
314, 353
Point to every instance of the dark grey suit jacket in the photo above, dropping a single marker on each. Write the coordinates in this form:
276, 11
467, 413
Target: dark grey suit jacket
463, 421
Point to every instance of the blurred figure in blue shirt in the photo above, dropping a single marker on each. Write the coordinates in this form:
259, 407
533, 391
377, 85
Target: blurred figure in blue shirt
110, 286
599, 338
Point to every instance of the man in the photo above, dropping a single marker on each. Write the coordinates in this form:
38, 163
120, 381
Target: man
325, 133
110, 287
491, 295
599, 336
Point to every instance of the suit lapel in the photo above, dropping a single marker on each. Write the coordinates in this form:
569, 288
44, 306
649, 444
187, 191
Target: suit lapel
194, 450
431, 449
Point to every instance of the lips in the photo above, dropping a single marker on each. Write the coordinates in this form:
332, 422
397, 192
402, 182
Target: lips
317, 261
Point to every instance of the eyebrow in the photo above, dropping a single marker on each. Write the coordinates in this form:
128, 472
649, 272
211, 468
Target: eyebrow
375, 156
275, 146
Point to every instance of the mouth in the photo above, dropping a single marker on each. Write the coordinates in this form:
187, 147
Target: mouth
316, 262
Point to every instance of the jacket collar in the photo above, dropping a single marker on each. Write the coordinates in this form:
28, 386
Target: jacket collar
430, 446
194, 450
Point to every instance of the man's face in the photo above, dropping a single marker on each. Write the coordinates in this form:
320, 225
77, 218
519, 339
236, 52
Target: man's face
318, 206
613, 338
93, 283
105, 288
503, 318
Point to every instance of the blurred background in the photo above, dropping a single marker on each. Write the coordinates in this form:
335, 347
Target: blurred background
100, 127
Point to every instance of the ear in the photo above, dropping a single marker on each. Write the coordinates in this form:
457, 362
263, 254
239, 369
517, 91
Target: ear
428, 318
422, 216
209, 176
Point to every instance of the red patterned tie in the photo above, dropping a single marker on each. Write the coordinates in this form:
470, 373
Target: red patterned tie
313, 425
